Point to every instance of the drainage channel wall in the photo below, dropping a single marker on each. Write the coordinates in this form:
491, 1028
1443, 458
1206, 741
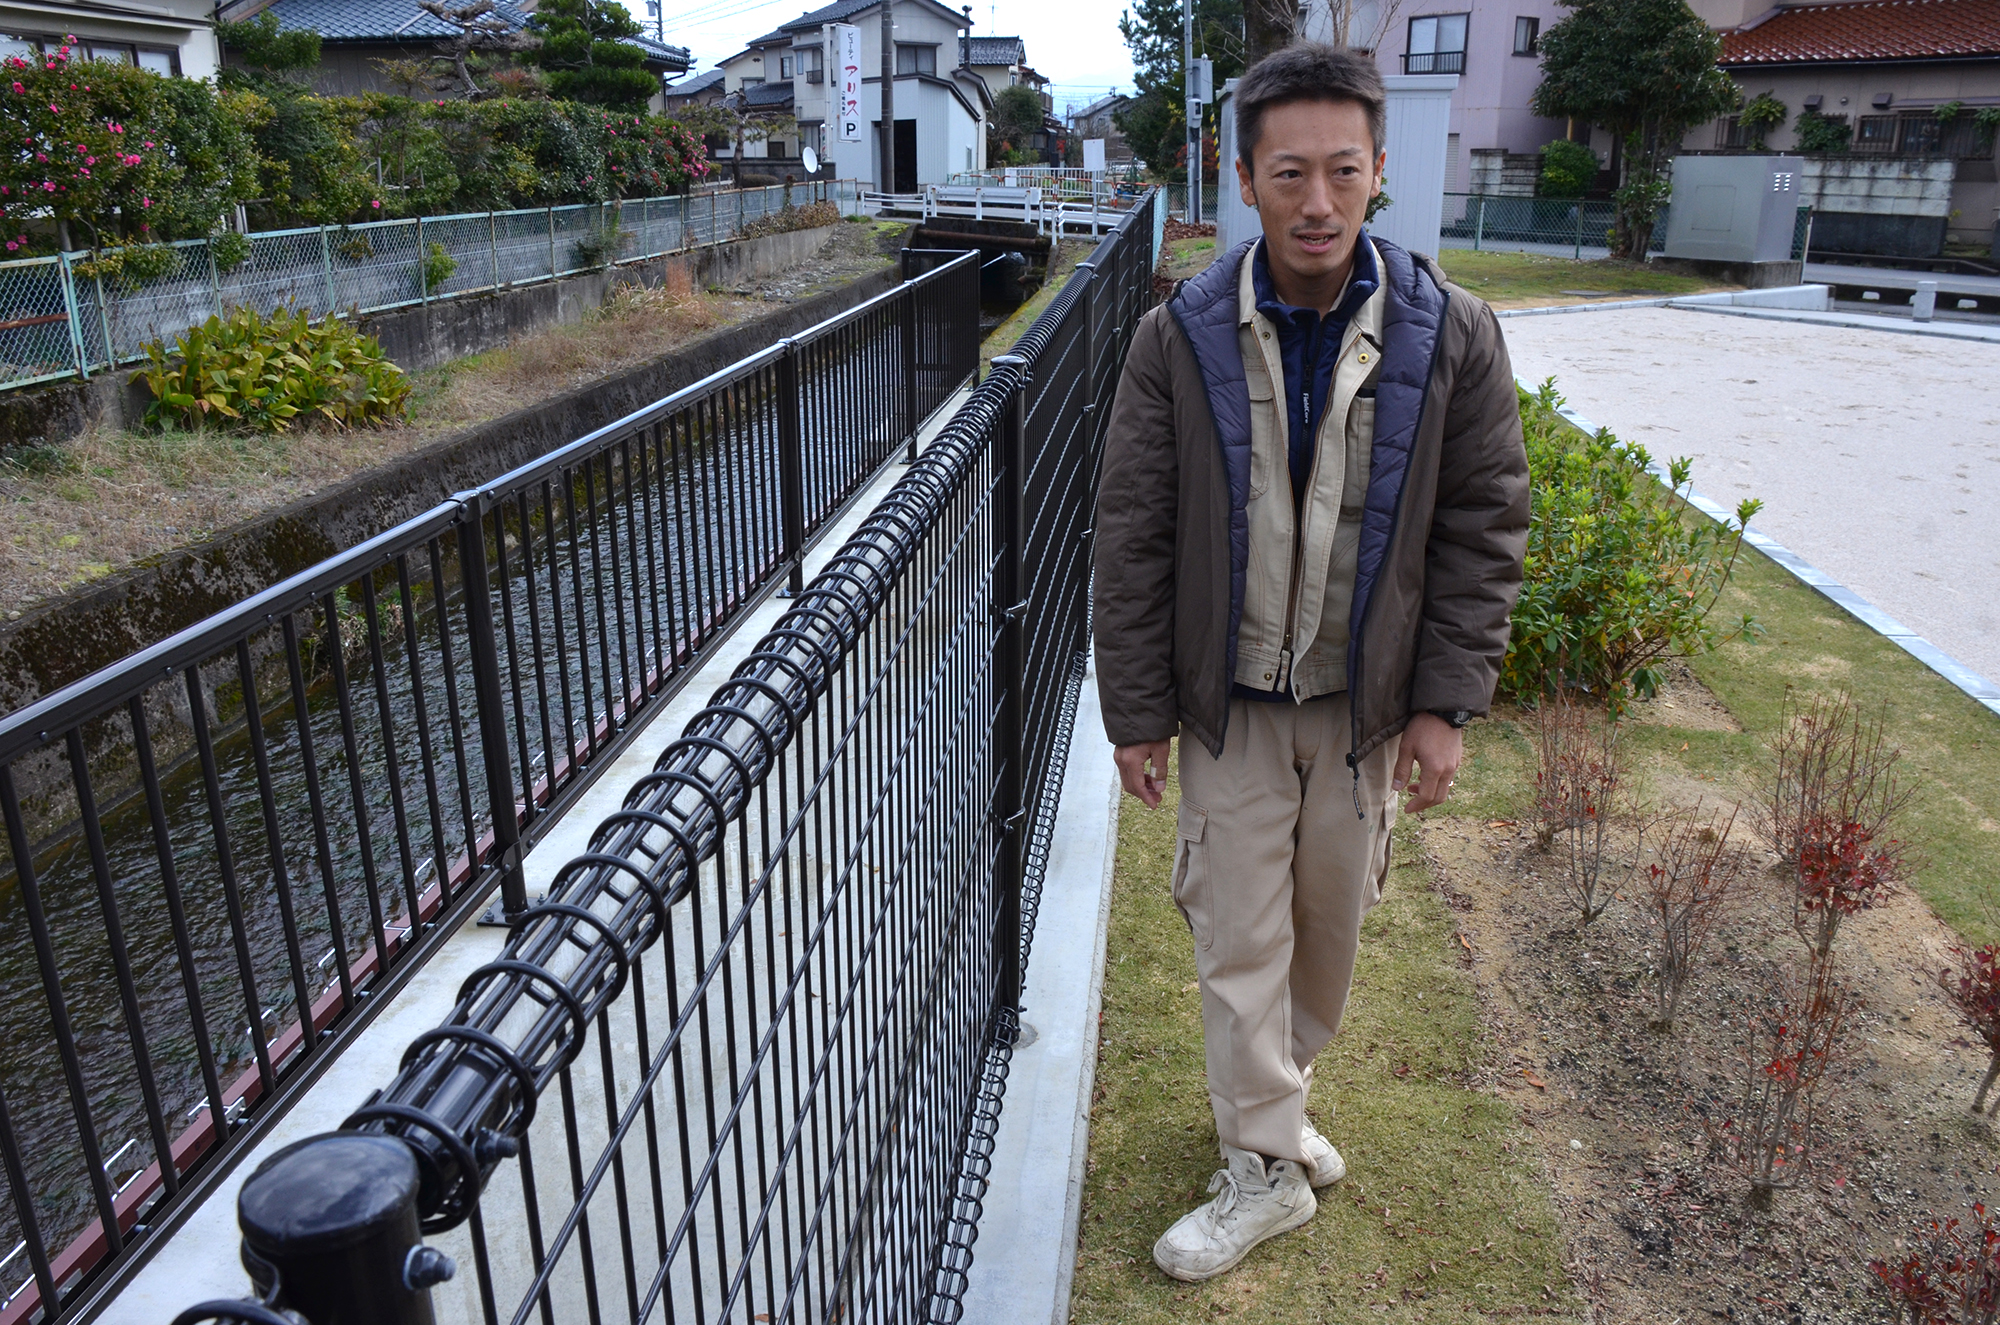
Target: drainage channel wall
69, 637
425, 335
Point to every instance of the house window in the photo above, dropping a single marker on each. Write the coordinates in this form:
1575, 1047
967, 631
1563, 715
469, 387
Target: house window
1922, 134
1437, 45
1527, 32
810, 62
160, 59
1875, 133
784, 66
1729, 133
916, 60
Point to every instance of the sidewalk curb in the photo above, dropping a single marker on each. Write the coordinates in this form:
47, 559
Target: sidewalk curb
1024, 1262
1981, 690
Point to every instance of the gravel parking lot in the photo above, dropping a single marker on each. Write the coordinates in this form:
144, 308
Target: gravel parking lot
1877, 455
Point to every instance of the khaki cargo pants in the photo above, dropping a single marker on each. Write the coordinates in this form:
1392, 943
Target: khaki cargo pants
1273, 871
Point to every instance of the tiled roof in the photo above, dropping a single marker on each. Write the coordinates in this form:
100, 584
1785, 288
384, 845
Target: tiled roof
373, 20
402, 20
998, 50
768, 94
690, 86
838, 12
1872, 30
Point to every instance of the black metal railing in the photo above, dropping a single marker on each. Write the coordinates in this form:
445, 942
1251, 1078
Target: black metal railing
745, 1060
1434, 62
228, 847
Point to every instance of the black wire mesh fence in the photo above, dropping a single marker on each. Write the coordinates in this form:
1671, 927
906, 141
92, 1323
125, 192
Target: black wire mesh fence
224, 850
744, 1061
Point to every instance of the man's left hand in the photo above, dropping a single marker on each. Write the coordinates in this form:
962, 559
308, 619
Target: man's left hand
1437, 749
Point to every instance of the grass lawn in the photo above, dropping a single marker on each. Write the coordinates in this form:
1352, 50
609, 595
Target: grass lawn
1523, 280
1442, 1214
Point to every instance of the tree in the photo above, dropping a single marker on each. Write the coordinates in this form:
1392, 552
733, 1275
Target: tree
1646, 71
1154, 121
1017, 118
483, 36
587, 57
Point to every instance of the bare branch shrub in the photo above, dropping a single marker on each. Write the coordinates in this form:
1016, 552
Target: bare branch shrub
1787, 1049
1691, 885
1578, 776
1974, 989
1834, 766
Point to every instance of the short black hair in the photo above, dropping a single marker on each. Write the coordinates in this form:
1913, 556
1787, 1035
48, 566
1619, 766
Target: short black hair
1307, 71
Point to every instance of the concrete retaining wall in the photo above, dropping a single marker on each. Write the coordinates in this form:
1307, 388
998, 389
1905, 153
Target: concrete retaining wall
67, 638
426, 335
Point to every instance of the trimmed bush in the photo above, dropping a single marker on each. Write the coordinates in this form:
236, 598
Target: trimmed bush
1568, 169
264, 373
1621, 572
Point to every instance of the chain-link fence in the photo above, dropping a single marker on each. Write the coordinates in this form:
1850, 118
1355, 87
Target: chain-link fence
74, 314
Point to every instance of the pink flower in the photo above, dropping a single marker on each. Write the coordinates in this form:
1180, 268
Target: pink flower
376, 204
90, 161
10, 246
47, 187
148, 142
145, 202
19, 88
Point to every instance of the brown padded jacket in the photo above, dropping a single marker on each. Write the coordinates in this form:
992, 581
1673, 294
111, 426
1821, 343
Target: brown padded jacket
1447, 515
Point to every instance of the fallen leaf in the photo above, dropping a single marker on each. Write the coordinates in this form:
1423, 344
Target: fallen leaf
1534, 1080
1403, 1071
1467, 943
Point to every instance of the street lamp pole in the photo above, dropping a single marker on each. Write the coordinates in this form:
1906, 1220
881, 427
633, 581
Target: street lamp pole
1193, 113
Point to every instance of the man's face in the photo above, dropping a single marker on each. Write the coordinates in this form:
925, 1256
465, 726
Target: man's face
1316, 169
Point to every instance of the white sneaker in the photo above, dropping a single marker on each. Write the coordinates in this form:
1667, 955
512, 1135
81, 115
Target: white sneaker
1323, 1161
1250, 1206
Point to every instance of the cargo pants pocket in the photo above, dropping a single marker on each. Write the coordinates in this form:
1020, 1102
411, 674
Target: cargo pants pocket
1191, 873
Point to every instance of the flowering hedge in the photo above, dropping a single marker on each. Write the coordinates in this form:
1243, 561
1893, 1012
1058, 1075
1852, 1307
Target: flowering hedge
108, 155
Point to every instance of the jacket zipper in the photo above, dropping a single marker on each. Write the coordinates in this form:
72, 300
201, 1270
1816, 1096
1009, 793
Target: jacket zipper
1299, 509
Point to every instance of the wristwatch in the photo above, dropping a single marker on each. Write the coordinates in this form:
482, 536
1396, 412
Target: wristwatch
1456, 717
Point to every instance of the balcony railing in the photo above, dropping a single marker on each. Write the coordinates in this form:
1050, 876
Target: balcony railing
1435, 62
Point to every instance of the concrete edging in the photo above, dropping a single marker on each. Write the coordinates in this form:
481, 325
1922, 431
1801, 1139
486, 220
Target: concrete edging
1978, 688
1024, 1262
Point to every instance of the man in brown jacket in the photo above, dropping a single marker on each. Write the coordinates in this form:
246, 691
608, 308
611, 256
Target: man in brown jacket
1309, 535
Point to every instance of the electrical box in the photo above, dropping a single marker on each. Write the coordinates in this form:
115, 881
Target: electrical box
1734, 208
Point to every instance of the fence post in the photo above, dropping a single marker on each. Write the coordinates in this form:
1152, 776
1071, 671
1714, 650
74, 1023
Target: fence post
104, 321
1479, 231
910, 315
326, 267
1579, 229
791, 466
68, 279
490, 709
214, 276
1010, 674
552, 243
493, 248
423, 265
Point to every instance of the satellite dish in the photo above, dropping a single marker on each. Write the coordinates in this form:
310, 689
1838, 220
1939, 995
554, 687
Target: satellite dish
811, 159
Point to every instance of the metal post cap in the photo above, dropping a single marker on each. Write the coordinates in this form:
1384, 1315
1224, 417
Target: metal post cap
327, 1192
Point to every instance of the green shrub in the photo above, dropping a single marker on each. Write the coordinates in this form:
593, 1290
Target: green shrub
1762, 114
265, 372
1821, 133
129, 267
1568, 169
1621, 572
439, 267
230, 250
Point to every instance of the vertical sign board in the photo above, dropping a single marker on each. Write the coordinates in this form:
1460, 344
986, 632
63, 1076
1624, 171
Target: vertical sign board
847, 66
1093, 155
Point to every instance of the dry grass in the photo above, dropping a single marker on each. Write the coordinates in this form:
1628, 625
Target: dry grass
78, 510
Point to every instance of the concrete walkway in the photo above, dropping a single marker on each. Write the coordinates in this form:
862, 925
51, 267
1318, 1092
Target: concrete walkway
1889, 278
1877, 456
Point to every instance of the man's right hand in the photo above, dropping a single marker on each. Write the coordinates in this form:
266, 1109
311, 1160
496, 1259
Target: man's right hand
1132, 761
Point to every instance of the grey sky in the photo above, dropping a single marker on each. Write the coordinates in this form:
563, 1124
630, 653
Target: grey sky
1074, 43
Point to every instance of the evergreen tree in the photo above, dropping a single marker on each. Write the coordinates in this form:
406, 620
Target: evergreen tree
1154, 121
587, 59
1646, 71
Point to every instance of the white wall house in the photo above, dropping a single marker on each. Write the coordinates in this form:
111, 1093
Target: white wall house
166, 36
941, 105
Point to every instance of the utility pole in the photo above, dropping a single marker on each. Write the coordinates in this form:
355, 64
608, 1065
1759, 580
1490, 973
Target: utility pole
888, 96
1193, 113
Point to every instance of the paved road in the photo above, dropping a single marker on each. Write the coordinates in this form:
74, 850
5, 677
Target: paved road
1877, 455
1886, 278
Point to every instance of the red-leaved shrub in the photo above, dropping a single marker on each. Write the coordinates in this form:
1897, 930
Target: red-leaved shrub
1690, 886
1950, 1275
1974, 989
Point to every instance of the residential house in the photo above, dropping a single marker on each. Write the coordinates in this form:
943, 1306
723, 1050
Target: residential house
356, 36
166, 36
701, 90
1494, 139
1881, 71
1095, 121
1001, 63
941, 105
